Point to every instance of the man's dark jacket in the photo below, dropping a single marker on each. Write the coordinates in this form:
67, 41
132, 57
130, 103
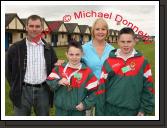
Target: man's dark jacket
16, 62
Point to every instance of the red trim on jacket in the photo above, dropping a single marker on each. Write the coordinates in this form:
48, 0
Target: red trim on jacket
134, 64
100, 92
151, 90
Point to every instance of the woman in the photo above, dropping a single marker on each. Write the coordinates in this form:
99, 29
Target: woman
95, 53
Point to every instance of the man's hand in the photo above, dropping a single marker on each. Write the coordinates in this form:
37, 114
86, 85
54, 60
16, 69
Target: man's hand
59, 62
64, 82
140, 114
80, 107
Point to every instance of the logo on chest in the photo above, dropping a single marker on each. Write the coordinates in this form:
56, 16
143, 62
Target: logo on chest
129, 67
78, 76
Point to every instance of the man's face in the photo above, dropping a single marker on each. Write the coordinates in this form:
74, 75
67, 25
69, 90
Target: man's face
126, 43
34, 28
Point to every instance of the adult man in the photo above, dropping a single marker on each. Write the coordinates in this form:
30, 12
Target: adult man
28, 64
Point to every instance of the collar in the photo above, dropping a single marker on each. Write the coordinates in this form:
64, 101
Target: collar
117, 53
40, 42
83, 65
91, 43
68, 65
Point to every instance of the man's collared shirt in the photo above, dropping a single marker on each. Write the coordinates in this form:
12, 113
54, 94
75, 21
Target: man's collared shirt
36, 67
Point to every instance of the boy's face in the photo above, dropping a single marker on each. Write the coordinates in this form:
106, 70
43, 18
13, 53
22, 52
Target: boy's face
126, 43
74, 55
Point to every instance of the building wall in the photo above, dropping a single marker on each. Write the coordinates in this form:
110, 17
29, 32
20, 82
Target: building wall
48, 35
76, 30
85, 38
110, 39
62, 39
87, 31
62, 28
15, 24
114, 39
47, 38
16, 36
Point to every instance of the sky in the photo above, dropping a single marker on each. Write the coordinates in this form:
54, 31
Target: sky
142, 16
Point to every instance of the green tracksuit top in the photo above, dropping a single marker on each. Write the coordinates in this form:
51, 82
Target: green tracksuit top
83, 86
129, 83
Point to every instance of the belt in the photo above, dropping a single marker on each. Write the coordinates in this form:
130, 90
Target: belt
34, 85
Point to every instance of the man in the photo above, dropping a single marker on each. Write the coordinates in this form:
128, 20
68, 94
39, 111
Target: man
28, 64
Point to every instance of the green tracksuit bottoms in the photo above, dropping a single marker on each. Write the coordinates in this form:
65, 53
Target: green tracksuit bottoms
62, 112
111, 110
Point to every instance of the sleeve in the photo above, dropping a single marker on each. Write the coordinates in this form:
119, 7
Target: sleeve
147, 97
53, 57
8, 63
91, 87
8, 67
53, 79
100, 93
104, 85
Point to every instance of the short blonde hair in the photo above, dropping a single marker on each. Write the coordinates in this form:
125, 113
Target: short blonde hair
103, 22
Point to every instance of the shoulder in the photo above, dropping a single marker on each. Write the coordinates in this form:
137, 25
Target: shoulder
86, 69
47, 45
140, 54
110, 46
17, 45
112, 53
141, 57
87, 44
60, 67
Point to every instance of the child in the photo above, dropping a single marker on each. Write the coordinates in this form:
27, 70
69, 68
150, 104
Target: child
126, 76
73, 84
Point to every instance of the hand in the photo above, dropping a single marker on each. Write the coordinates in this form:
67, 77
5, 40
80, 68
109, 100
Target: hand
59, 62
80, 107
64, 82
140, 114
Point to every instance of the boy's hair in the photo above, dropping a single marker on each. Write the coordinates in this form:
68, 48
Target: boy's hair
126, 30
34, 17
75, 44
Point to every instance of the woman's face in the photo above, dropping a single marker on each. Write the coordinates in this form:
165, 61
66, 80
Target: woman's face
100, 31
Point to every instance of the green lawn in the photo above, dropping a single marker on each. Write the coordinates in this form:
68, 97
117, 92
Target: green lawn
148, 51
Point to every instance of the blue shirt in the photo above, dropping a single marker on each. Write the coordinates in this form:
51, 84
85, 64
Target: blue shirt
92, 59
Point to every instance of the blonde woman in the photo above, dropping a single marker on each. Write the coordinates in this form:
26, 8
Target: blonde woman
95, 53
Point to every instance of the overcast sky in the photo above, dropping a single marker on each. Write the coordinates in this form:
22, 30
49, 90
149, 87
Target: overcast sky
142, 16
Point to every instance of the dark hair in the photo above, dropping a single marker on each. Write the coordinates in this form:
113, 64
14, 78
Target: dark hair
34, 17
75, 44
126, 30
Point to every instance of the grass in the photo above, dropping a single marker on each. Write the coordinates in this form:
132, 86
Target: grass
147, 49
60, 52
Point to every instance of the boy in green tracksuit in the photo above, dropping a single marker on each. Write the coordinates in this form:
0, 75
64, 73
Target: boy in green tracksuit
127, 80
73, 83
